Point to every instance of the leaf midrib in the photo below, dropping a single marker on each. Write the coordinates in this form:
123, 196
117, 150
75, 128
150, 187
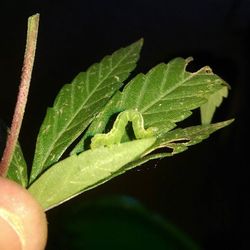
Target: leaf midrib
171, 89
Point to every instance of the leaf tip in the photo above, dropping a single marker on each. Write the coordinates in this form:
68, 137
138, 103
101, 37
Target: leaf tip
230, 121
139, 42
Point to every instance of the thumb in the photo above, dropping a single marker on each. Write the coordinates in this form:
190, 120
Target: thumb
9, 238
23, 224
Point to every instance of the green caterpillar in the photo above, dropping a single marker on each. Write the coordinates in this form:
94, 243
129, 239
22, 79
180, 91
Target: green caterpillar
114, 136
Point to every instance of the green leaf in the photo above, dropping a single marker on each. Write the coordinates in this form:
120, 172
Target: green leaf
79, 173
180, 139
168, 93
177, 141
214, 101
77, 104
165, 95
18, 168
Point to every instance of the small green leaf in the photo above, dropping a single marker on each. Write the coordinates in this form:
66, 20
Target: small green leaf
18, 169
79, 173
178, 141
168, 93
77, 104
214, 101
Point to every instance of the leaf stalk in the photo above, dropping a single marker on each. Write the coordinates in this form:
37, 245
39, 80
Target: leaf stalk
28, 62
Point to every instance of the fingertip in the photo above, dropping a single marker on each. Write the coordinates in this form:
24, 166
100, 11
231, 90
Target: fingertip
8, 237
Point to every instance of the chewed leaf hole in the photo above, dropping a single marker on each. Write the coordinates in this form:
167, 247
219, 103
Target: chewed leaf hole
184, 140
162, 150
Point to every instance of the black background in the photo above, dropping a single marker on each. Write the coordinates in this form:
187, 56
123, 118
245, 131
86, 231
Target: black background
203, 190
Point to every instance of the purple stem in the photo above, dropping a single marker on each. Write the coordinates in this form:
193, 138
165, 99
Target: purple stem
29, 56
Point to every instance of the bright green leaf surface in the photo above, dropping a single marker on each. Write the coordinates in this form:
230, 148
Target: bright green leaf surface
165, 95
168, 93
214, 101
177, 140
77, 104
78, 173
18, 168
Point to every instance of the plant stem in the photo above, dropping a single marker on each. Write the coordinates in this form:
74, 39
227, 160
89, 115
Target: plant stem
29, 56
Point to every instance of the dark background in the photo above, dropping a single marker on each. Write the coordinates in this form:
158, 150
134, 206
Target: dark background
203, 190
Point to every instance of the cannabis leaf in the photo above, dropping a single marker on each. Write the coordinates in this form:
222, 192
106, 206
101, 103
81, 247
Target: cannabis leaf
165, 95
77, 104
78, 173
